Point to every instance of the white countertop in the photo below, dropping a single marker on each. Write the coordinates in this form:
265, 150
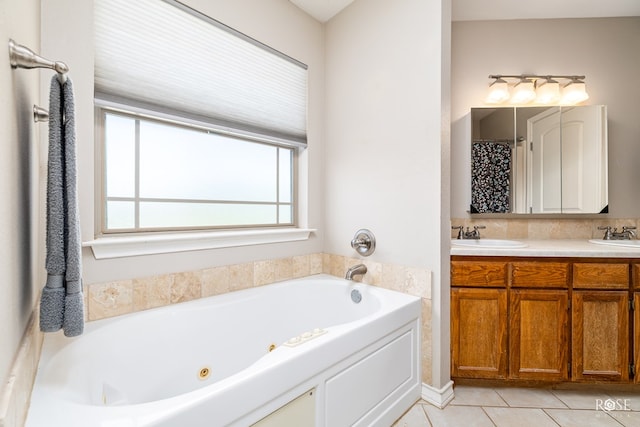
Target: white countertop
552, 248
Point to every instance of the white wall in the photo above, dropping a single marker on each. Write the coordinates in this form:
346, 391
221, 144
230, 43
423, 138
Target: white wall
606, 50
67, 34
386, 138
21, 242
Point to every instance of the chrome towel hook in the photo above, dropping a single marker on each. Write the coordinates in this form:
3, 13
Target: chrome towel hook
23, 57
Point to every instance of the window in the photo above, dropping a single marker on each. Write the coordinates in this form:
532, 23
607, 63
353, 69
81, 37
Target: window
199, 124
159, 175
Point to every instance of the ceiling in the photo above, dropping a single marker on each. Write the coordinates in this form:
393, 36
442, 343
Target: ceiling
473, 10
322, 10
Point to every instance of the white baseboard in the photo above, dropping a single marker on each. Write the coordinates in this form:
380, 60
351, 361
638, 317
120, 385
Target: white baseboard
438, 397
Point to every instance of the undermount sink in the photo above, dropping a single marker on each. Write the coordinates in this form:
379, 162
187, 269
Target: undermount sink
488, 243
623, 243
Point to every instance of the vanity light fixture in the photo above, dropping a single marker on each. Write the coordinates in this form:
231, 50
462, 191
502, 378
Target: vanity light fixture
538, 89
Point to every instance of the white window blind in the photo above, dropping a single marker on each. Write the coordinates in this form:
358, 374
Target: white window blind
162, 55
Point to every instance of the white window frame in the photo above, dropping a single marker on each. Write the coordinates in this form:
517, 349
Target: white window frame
146, 242
101, 113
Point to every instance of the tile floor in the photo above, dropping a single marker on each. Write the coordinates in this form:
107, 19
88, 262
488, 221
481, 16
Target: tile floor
475, 406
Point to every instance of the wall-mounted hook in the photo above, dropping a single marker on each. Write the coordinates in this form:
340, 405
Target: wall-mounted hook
40, 114
22, 57
364, 242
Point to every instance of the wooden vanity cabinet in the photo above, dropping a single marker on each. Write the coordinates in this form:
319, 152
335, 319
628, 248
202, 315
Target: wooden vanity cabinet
539, 321
600, 322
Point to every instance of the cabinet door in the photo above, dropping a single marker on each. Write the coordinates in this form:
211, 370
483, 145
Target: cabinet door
538, 334
478, 333
600, 335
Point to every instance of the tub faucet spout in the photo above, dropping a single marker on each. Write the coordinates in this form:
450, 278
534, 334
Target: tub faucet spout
356, 269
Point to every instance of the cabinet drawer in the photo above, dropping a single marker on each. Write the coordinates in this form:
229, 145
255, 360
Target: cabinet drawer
600, 276
477, 273
540, 274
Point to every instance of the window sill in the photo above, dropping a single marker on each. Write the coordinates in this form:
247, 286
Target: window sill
127, 246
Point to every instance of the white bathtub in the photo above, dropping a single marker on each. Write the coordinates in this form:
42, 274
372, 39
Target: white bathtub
360, 359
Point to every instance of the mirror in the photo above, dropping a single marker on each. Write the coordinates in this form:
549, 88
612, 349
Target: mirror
539, 160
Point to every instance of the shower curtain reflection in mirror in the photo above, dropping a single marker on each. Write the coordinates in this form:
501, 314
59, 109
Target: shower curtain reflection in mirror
490, 176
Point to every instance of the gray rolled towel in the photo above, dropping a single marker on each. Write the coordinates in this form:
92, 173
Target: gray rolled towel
73, 324
62, 302
52, 305
73, 311
53, 294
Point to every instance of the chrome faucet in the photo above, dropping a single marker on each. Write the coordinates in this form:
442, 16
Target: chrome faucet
469, 234
627, 233
356, 269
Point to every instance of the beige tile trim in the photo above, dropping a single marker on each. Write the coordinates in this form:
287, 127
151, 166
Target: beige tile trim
15, 394
116, 298
542, 229
111, 299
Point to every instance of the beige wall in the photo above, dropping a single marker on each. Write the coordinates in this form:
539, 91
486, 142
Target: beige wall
387, 71
22, 160
603, 49
21, 260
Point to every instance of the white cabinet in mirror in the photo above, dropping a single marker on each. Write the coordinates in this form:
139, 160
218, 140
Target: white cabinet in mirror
539, 160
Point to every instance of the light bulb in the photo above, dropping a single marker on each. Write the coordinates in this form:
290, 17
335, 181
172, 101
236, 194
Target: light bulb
523, 92
498, 92
548, 91
574, 92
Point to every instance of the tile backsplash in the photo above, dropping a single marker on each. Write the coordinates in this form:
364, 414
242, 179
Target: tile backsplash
109, 299
542, 229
